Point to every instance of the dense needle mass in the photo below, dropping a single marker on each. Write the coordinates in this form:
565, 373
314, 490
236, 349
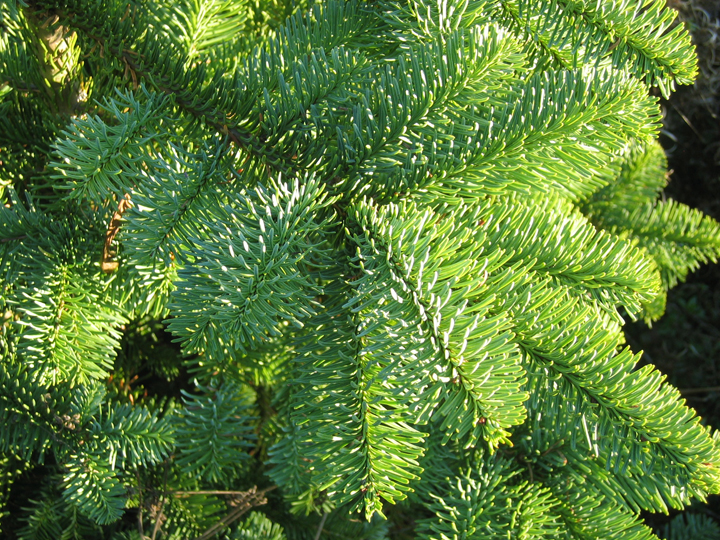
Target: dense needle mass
279, 271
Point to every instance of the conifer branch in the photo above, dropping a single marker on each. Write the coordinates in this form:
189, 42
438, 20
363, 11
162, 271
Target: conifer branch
380, 252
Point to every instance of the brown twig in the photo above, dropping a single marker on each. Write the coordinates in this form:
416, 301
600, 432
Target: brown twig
181, 494
4, 240
158, 517
141, 529
251, 498
687, 121
320, 526
108, 264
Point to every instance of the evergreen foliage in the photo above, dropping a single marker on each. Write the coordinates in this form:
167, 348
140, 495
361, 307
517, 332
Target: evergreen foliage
691, 525
351, 268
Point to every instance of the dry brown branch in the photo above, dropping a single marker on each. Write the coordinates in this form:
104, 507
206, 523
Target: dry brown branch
108, 264
248, 499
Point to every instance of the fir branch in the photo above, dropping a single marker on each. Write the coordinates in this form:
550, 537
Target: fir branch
404, 233
460, 334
